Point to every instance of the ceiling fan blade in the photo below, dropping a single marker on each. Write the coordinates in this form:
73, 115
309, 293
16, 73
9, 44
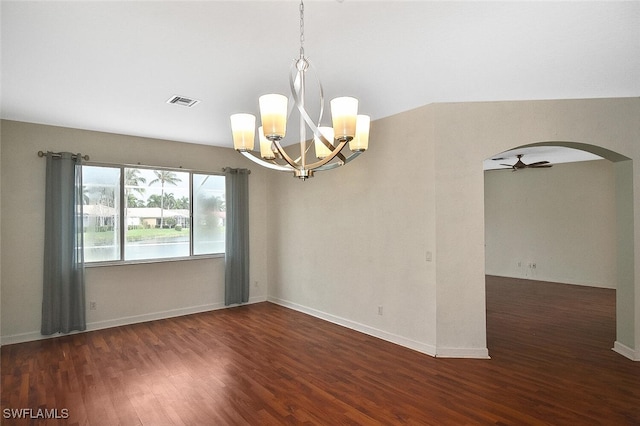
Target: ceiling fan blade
540, 166
508, 165
537, 163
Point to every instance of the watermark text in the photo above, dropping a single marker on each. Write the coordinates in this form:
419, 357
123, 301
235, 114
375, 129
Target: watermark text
35, 413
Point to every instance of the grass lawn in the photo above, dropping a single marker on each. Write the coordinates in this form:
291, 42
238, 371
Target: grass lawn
152, 233
93, 238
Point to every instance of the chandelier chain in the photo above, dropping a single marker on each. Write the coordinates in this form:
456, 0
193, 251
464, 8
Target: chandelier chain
301, 28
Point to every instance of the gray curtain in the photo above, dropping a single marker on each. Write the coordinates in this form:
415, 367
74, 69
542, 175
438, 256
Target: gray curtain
63, 299
236, 280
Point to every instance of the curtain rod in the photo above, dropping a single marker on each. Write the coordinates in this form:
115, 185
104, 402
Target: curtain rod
86, 158
58, 155
230, 169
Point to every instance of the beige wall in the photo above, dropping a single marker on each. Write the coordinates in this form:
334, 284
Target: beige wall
123, 294
352, 239
627, 295
419, 189
472, 132
348, 241
1, 123
561, 219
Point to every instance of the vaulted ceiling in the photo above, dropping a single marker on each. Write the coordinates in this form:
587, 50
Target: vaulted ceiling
111, 66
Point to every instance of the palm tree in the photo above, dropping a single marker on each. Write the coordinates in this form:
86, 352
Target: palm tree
208, 207
154, 200
170, 201
107, 196
132, 182
133, 201
215, 203
182, 203
164, 177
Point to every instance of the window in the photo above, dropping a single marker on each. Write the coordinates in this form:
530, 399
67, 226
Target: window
157, 214
101, 213
139, 213
209, 214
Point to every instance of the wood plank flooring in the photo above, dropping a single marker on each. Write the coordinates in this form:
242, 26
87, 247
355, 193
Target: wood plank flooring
262, 364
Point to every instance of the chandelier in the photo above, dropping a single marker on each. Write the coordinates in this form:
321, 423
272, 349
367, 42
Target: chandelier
348, 127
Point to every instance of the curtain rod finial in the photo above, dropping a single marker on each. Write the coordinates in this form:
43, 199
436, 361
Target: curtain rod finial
57, 154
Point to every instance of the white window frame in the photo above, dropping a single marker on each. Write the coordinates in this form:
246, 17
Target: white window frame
123, 219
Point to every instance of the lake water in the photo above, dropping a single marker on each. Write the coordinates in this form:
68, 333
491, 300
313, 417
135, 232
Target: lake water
159, 248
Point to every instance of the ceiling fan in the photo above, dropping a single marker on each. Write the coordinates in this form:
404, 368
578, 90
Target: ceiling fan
521, 165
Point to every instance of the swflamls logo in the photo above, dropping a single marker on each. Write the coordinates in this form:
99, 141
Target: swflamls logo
37, 413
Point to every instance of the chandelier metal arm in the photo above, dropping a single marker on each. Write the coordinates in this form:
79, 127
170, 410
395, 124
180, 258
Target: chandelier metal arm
288, 168
335, 153
293, 163
260, 161
301, 66
299, 102
338, 164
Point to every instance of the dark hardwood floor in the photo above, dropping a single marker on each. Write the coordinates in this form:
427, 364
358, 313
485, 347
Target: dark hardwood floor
262, 364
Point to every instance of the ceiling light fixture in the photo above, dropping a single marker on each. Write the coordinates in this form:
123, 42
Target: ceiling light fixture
348, 127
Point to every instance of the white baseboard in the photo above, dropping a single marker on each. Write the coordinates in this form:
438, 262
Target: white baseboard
389, 337
475, 353
117, 322
626, 351
381, 334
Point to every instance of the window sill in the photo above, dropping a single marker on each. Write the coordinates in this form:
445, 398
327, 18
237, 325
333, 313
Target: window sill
145, 261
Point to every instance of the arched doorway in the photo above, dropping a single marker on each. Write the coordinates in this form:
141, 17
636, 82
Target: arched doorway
619, 215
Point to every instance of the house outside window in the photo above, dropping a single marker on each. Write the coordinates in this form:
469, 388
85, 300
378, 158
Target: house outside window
142, 214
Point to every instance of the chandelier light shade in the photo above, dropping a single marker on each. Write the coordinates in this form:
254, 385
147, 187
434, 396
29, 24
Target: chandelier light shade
360, 142
321, 150
243, 126
265, 146
273, 111
344, 113
349, 128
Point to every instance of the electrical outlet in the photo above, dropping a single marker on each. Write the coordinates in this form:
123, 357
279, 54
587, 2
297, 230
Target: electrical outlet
379, 310
92, 306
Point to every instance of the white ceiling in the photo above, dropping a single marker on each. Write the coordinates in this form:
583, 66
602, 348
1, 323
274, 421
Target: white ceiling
111, 66
533, 154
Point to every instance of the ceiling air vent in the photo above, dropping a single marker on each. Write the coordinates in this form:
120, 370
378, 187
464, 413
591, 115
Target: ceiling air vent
182, 101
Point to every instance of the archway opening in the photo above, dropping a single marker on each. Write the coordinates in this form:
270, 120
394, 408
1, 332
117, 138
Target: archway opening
570, 223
